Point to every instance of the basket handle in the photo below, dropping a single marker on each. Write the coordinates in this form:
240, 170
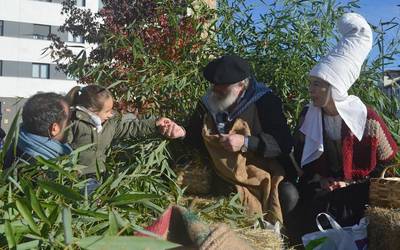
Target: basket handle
397, 165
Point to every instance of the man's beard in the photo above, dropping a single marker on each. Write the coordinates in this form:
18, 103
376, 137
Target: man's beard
218, 103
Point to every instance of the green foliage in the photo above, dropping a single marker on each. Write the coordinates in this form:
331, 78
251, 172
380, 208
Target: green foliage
150, 69
151, 59
43, 212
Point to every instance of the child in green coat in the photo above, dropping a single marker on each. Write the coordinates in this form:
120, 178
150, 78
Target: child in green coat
94, 121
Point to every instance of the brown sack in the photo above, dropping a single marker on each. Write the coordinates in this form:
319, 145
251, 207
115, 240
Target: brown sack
256, 178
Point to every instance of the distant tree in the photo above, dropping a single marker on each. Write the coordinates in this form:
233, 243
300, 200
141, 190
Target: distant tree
149, 51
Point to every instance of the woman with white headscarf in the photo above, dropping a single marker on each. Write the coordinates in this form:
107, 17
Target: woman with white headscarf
341, 140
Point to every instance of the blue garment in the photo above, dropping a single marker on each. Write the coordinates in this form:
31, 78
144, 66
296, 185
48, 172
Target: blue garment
254, 92
35, 145
90, 186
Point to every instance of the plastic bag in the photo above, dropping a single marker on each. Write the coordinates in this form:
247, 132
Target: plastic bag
346, 238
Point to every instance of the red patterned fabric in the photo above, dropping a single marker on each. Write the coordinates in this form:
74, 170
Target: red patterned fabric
359, 158
376, 146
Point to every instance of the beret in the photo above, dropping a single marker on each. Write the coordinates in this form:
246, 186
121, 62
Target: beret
228, 69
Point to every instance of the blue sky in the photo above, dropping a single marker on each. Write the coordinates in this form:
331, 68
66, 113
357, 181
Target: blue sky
385, 10
374, 11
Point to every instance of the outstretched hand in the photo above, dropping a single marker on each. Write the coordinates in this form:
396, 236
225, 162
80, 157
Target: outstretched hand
169, 128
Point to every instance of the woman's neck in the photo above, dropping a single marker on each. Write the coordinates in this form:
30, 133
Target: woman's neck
330, 109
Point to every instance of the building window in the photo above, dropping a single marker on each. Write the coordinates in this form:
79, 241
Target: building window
40, 70
75, 39
81, 3
1, 27
1, 67
41, 31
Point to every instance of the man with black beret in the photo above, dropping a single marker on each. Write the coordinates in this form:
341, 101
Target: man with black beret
240, 124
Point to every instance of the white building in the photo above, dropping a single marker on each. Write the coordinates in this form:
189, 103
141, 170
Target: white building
24, 29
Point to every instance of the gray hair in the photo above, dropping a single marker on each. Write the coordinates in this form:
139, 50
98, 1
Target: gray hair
245, 82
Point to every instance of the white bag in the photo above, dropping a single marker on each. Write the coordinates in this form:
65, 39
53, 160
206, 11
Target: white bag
337, 238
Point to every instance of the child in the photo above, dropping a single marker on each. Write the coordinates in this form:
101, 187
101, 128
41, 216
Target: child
93, 121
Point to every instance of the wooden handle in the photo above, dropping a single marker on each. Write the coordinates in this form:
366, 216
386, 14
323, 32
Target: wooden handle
397, 165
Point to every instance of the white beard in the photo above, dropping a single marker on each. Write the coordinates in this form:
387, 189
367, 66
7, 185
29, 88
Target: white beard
219, 103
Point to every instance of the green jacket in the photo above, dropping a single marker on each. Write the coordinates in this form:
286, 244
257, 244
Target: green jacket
83, 132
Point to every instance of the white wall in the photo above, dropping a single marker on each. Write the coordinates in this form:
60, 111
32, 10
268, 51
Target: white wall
25, 87
29, 50
37, 12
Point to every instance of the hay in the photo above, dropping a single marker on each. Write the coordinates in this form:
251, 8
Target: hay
195, 177
218, 209
383, 228
261, 239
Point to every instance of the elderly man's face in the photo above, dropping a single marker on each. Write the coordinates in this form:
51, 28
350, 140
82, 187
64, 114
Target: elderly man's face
222, 96
318, 91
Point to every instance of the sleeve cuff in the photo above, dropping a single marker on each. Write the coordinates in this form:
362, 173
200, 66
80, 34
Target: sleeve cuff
253, 143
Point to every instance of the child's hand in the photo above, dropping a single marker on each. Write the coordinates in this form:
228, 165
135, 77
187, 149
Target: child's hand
170, 129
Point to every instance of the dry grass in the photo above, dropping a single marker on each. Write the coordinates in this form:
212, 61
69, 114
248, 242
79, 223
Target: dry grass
261, 239
195, 177
383, 228
226, 210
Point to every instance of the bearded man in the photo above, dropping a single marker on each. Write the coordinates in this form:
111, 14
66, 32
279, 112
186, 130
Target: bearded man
240, 124
45, 117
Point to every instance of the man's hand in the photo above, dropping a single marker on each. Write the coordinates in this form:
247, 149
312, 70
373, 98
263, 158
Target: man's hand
169, 128
232, 142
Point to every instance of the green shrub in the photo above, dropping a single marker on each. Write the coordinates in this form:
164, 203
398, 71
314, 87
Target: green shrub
150, 54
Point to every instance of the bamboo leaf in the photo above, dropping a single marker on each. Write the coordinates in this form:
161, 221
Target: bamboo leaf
67, 224
118, 180
37, 208
34, 244
11, 135
124, 243
61, 190
9, 234
125, 199
97, 215
315, 243
113, 224
54, 166
26, 214
95, 230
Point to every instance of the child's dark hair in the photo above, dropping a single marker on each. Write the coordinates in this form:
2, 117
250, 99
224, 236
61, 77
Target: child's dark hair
91, 97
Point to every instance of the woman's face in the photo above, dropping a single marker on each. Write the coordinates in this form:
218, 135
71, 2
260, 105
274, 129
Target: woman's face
318, 91
107, 111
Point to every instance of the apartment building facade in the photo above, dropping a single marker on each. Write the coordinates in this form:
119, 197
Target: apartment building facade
25, 26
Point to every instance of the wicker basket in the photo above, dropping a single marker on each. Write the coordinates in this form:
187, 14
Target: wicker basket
385, 191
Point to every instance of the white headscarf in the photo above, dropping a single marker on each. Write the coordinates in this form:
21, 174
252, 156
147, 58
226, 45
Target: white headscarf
340, 68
